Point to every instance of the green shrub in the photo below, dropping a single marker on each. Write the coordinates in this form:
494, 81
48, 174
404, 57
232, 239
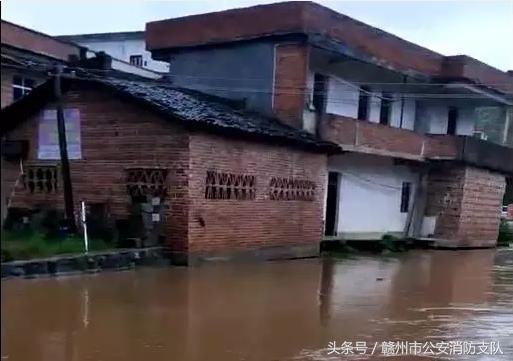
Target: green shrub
505, 234
32, 244
390, 243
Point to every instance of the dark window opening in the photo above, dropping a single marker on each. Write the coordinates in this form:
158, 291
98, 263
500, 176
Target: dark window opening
291, 189
385, 109
363, 103
331, 204
230, 186
40, 179
136, 60
21, 86
405, 197
452, 121
319, 93
141, 182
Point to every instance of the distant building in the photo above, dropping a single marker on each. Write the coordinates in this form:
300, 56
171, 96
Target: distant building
416, 161
127, 46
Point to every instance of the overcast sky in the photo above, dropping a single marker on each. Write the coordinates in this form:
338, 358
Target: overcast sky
482, 29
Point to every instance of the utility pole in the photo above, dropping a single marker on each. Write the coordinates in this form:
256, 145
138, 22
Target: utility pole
63, 148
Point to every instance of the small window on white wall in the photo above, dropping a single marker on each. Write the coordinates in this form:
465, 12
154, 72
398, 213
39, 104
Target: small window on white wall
405, 197
385, 109
136, 60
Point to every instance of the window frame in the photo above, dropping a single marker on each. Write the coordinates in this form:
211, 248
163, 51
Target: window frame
385, 109
22, 86
136, 60
452, 120
364, 103
406, 188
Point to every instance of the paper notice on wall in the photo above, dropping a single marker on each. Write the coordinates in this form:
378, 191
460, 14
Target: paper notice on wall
49, 137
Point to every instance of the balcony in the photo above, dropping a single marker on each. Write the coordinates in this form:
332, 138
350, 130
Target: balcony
474, 151
372, 138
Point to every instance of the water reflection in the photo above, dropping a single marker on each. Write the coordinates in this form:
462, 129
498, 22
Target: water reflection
269, 311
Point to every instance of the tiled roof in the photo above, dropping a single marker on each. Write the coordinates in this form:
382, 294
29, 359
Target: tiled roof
192, 109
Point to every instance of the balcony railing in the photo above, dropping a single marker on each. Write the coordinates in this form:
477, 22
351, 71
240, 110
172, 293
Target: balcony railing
372, 138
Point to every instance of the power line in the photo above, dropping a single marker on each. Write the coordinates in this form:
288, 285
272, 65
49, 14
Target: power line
178, 75
333, 99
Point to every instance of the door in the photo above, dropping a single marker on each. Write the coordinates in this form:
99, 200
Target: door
331, 204
452, 121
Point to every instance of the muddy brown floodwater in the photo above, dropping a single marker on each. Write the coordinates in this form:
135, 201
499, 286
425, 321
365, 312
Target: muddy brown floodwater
269, 311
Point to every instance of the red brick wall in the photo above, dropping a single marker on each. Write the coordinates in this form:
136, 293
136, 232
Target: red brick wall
467, 202
36, 42
251, 224
338, 129
481, 206
387, 138
115, 135
371, 136
440, 147
290, 73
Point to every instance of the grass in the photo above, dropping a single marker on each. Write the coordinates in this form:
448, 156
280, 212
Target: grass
22, 245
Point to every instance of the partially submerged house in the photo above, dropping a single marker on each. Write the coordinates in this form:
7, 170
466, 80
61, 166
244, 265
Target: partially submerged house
206, 175
415, 159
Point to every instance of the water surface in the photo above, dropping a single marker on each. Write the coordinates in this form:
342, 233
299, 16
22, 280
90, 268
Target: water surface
287, 310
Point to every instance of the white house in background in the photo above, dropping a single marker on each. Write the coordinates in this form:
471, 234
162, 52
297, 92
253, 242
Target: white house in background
126, 46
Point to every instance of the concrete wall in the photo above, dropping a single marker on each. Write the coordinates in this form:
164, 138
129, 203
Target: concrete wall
244, 71
370, 194
343, 99
122, 49
432, 118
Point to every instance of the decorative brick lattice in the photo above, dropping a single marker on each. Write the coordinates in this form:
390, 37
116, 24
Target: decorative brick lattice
147, 181
230, 186
290, 189
41, 179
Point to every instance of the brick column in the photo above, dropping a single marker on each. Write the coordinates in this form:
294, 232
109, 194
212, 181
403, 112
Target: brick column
290, 77
466, 202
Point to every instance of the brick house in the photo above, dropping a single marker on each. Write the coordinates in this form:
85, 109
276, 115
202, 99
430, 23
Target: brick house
227, 181
27, 56
414, 161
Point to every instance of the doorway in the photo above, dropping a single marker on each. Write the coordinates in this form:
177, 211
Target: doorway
452, 121
332, 204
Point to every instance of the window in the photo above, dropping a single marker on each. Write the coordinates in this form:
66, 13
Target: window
291, 189
405, 197
141, 182
41, 179
363, 103
136, 60
385, 110
319, 93
452, 120
230, 186
21, 86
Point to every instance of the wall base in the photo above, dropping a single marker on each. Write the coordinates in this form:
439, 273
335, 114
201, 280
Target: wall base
458, 244
260, 254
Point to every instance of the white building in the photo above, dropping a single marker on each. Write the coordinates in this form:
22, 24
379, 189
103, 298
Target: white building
126, 46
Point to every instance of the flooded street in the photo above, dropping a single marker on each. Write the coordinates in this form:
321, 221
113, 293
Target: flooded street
268, 311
